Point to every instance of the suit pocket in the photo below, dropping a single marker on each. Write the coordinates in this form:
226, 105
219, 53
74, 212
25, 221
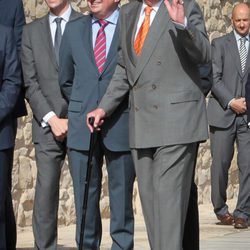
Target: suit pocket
185, 96
75, 106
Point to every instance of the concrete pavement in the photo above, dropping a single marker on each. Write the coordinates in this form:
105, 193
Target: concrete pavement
213, 236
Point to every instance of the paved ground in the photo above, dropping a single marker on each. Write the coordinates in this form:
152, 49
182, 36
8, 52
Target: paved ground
213, 236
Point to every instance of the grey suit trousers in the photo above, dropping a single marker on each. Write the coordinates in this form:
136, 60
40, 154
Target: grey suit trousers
222, 150
121, 177
49, 159
164, 178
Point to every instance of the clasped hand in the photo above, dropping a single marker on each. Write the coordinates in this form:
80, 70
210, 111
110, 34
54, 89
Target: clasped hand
59, 127
239, 105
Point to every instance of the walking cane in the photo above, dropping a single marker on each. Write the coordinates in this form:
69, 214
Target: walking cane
87, 180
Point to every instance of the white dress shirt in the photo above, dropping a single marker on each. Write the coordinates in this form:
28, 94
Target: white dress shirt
238, 37
142, 14
65, 18
109, 29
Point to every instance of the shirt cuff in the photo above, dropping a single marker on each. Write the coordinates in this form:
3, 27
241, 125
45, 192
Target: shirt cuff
228, 105
46, 118
180, 25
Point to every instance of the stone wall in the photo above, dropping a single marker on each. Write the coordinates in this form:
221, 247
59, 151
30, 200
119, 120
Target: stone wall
217, 16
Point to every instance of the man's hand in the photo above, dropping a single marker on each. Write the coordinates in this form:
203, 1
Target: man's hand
98, 114
238, 105
59, 127
176, 11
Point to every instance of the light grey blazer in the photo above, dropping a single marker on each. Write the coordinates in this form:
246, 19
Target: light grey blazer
228, 80
166, 103
40, 72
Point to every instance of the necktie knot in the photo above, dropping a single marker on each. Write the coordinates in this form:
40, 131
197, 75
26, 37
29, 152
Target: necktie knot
243, 40
103, 23
58, 20
148, 10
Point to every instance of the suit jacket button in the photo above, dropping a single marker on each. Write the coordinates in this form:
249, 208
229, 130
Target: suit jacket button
136, 109
155, 106
153, 86
158, 62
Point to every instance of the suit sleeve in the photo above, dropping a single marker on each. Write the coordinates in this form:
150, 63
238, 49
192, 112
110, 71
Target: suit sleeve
118, 87
11, 77
66, 69
18, 25
194, 37
33, 93
219, 89
206, 77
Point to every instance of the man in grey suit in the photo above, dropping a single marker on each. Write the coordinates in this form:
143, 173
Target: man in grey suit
227, 117
39, 57
167, 107
84, 77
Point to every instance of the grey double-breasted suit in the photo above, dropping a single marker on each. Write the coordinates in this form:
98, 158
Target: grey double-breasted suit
167, 113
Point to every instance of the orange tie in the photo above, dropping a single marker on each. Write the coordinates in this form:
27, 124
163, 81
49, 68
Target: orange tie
141, 36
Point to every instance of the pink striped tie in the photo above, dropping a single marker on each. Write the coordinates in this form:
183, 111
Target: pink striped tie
100, 46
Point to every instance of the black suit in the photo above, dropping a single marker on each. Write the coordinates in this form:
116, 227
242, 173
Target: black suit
10, 83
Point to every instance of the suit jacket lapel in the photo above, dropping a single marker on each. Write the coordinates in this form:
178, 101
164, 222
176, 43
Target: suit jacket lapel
233, 48
46, 36
88, 41
158, 26
74, 15
132, 17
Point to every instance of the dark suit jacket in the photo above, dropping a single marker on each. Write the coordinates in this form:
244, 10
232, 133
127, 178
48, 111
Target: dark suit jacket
228, 80
12, 15
40, 71
10, 83
84, 87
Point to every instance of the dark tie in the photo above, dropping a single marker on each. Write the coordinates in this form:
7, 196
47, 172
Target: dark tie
58, 37
243, 53
100, 46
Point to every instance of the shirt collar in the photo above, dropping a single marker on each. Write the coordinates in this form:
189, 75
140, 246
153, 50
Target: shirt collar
238, 37
155, 6
65, 16
113, 18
